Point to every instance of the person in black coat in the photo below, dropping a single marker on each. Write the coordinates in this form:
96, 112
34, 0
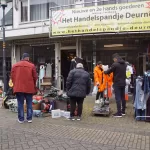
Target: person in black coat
78, 86
119, 71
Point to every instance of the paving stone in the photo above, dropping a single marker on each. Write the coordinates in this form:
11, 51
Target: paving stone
40, 148
121, 148
92, 133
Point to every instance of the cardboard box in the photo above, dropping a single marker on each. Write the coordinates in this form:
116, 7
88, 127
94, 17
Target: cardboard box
34, 106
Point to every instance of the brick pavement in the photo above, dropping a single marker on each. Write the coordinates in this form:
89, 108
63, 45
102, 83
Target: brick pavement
92, 133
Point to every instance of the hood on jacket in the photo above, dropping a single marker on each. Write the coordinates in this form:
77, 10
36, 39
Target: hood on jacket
121, 61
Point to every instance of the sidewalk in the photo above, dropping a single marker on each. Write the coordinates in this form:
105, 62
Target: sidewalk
92, 133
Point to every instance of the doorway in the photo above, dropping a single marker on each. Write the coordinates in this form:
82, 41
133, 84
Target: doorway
66, 57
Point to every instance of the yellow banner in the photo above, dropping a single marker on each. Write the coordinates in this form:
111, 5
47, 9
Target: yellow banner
106, 18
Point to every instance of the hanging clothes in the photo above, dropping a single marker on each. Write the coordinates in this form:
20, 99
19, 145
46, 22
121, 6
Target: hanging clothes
140, 100
140, 97
129, 71
48, 70
146, 82
127, 89
148, 109
42, 72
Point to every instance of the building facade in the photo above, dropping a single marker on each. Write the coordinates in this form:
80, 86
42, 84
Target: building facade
29, 29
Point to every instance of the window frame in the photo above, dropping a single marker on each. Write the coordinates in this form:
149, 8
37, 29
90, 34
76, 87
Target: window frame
28, 20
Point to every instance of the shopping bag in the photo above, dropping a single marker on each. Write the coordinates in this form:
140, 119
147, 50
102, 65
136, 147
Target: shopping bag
95, 89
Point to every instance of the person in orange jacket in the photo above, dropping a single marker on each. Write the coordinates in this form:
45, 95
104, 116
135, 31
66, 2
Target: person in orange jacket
100, 80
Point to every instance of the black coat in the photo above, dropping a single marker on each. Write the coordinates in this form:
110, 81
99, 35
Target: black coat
78, 83
119, 72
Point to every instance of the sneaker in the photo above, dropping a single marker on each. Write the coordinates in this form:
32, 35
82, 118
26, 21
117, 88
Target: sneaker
20, 121
72, 118
116, 115
29, 121
123, 113
78, 118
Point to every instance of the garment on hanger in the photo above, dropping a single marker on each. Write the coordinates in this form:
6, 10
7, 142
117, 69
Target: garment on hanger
148, 109
140, 114
48, 70
127, 89
140, 97
146, 82
129, 71
42, 72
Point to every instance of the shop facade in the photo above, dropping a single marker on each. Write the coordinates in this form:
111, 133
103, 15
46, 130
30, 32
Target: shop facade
32, 32
103, 30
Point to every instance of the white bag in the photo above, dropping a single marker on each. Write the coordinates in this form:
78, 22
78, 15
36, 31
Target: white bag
95, 89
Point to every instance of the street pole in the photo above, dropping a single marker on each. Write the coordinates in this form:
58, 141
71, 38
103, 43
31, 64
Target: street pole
4, 4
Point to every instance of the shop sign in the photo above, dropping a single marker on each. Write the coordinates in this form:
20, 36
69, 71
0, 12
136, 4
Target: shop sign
107, 18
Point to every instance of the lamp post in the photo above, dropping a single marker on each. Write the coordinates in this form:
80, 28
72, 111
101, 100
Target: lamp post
4, 5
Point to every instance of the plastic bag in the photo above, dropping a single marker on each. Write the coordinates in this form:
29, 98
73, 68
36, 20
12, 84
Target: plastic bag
95, 89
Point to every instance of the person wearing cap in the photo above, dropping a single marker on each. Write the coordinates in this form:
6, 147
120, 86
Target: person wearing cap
24, 77
118, 69
78, 86
100, 80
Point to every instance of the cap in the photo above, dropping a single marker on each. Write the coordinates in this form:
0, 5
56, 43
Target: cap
25, 55
99, 63
79, 65
116, 55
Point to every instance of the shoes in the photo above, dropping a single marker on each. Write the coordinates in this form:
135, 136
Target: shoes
97, 101
20, 121
123, 113
72, 118
116, 115
78, 118
29, 121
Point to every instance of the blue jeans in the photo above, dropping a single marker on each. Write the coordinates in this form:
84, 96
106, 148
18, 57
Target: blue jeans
140, 114
20, 99
120, 98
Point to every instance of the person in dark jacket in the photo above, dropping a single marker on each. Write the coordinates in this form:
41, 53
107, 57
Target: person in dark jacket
119, 70
78, 86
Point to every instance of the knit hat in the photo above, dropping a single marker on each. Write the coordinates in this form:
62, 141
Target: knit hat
25, 55
79, 65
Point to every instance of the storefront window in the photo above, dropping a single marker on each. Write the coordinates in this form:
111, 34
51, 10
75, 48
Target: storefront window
8, 14
24, 10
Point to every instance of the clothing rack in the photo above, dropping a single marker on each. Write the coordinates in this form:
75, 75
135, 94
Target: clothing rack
146, 74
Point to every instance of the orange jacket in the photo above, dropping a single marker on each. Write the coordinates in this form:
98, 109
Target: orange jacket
109, 80
100, 77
